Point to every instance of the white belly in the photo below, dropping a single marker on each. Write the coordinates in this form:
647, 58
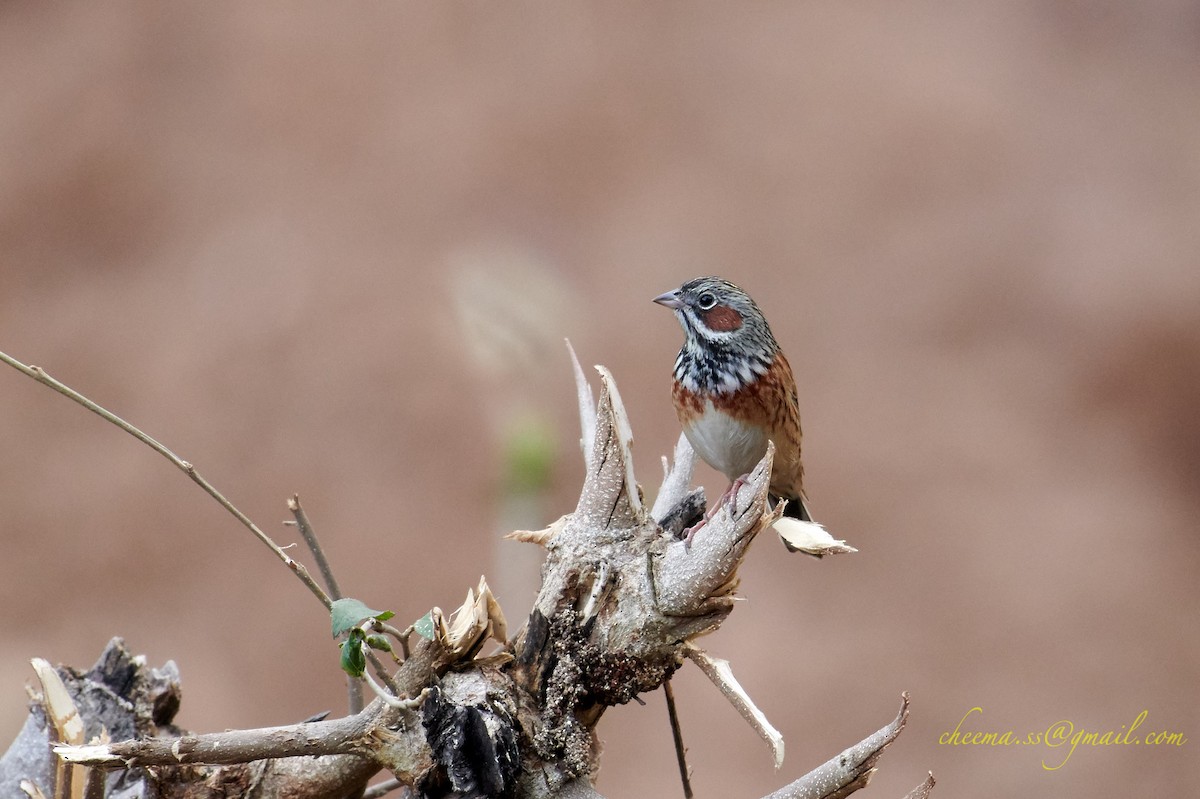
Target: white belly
726, 444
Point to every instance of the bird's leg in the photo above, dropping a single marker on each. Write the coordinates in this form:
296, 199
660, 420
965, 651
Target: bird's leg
711, 512
691, 531
729, 496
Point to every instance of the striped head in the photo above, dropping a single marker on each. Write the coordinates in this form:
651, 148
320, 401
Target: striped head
727, 342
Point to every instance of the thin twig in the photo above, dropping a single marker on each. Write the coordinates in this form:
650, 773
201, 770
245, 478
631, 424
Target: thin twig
39, 374
382, 671
721, 674
354, 693
404, 638
384, 788
314, 546
384, 627
677, 733
392, 697
372, 626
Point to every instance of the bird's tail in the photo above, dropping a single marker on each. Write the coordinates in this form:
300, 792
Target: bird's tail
797, 509
800, 533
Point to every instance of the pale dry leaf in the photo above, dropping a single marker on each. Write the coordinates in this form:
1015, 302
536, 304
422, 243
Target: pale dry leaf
809, 538
495, 613
478, 616
466, 624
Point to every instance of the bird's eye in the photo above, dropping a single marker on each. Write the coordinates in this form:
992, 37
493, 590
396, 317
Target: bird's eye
706, 301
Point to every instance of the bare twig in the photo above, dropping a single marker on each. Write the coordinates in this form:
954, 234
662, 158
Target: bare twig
40, 375
354, 694
373, 625
404, 637
721, 674
384, 627
677, 734
336, 737
391, 695
384, 675
384, 788
314, 546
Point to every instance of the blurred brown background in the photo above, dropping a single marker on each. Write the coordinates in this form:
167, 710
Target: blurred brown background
334, 250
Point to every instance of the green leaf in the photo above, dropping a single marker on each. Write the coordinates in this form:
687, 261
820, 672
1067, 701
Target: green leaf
424, 626
354, 660
346, 613
379, 642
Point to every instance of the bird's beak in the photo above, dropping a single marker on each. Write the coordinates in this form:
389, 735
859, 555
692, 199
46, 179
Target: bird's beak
670, 299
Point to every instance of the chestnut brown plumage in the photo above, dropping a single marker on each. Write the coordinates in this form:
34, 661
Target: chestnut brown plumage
734, 391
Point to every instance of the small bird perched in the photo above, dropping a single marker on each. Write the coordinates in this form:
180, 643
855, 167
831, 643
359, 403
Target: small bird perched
733, 392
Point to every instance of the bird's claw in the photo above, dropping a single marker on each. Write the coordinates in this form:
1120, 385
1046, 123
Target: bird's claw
728, 498
732, 493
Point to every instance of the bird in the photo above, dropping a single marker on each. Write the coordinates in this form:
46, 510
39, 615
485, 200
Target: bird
733, 392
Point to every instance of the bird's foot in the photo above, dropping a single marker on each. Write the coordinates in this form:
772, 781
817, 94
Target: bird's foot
731, 493
729, 497
691, 531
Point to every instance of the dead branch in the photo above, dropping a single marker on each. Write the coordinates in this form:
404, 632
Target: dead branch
922, 791
621, 604
844, 774
685, 776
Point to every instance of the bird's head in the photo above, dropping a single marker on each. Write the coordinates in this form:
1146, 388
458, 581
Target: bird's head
716, 313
